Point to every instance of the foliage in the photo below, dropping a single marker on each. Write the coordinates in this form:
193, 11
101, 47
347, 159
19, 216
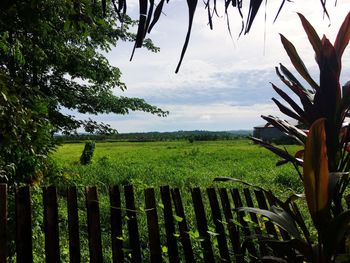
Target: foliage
87, 153
325, 159
51, 60
150, 13
176, 163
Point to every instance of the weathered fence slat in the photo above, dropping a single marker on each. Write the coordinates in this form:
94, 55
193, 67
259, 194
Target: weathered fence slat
24, 245
234, 234
116, 224
284, 233
52, 246
240, 216
134, 236
169, 225
243, 230
73, 225
3, 223
184, 236
153, 227
260, 197
202, 225
253, 216
94, 226
219, 228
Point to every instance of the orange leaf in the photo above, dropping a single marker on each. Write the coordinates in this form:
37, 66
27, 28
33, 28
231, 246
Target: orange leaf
316, 174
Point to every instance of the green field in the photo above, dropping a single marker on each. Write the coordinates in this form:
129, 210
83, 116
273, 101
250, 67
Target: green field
175, 163
151, 164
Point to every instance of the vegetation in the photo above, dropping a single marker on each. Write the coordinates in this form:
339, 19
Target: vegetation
51, 59
87, 153
156, 136
325, 159
176, 163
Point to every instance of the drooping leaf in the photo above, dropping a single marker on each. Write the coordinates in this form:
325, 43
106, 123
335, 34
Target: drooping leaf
297, 61
253, 10
192, 5
149, 17
280, 9
291, 102
281, 153
290, 76
142, 23
290, 130
287, 111
156, 15
278, 217
315, 173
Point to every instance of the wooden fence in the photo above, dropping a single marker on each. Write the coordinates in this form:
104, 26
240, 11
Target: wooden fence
168, 233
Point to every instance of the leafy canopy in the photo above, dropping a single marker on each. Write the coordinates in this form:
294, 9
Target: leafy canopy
51, 58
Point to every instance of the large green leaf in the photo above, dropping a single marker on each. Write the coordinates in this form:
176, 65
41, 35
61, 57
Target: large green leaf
278, 216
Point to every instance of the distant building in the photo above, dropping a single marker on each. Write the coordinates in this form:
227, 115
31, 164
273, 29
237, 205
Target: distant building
269, 133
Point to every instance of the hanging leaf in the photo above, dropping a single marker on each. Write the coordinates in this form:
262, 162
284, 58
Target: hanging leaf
142, 23
291, 102
156, 15
192, 5
286, 110
253, 10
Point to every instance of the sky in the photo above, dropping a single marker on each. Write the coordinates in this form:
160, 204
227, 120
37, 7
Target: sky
224, 82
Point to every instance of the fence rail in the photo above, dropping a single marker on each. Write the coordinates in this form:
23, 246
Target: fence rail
222, 231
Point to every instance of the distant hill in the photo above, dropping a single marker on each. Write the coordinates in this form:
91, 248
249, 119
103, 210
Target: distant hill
197, 135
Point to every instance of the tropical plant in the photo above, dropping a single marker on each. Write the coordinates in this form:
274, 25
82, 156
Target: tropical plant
325, 157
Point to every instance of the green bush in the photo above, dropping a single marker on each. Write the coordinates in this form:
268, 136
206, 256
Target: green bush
88, 152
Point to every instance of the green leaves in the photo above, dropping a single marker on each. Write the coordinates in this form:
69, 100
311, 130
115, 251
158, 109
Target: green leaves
278, 216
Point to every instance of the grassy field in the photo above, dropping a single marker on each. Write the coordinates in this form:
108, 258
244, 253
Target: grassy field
151, 164
176, 163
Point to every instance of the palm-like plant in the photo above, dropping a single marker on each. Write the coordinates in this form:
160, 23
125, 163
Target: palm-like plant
325, 159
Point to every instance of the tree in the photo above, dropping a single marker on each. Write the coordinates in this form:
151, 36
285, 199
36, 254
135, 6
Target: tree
51, 58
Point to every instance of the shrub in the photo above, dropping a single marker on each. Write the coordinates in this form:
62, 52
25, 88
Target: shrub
87, 153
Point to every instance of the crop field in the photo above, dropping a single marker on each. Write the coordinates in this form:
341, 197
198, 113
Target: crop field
151, 164
175, 163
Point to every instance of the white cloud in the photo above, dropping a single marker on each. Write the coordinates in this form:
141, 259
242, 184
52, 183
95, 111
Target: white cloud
217, 72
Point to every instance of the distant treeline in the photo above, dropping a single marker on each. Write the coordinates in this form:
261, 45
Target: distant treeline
158, 136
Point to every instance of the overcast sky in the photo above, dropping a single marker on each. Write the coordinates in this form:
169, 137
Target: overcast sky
224, 83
